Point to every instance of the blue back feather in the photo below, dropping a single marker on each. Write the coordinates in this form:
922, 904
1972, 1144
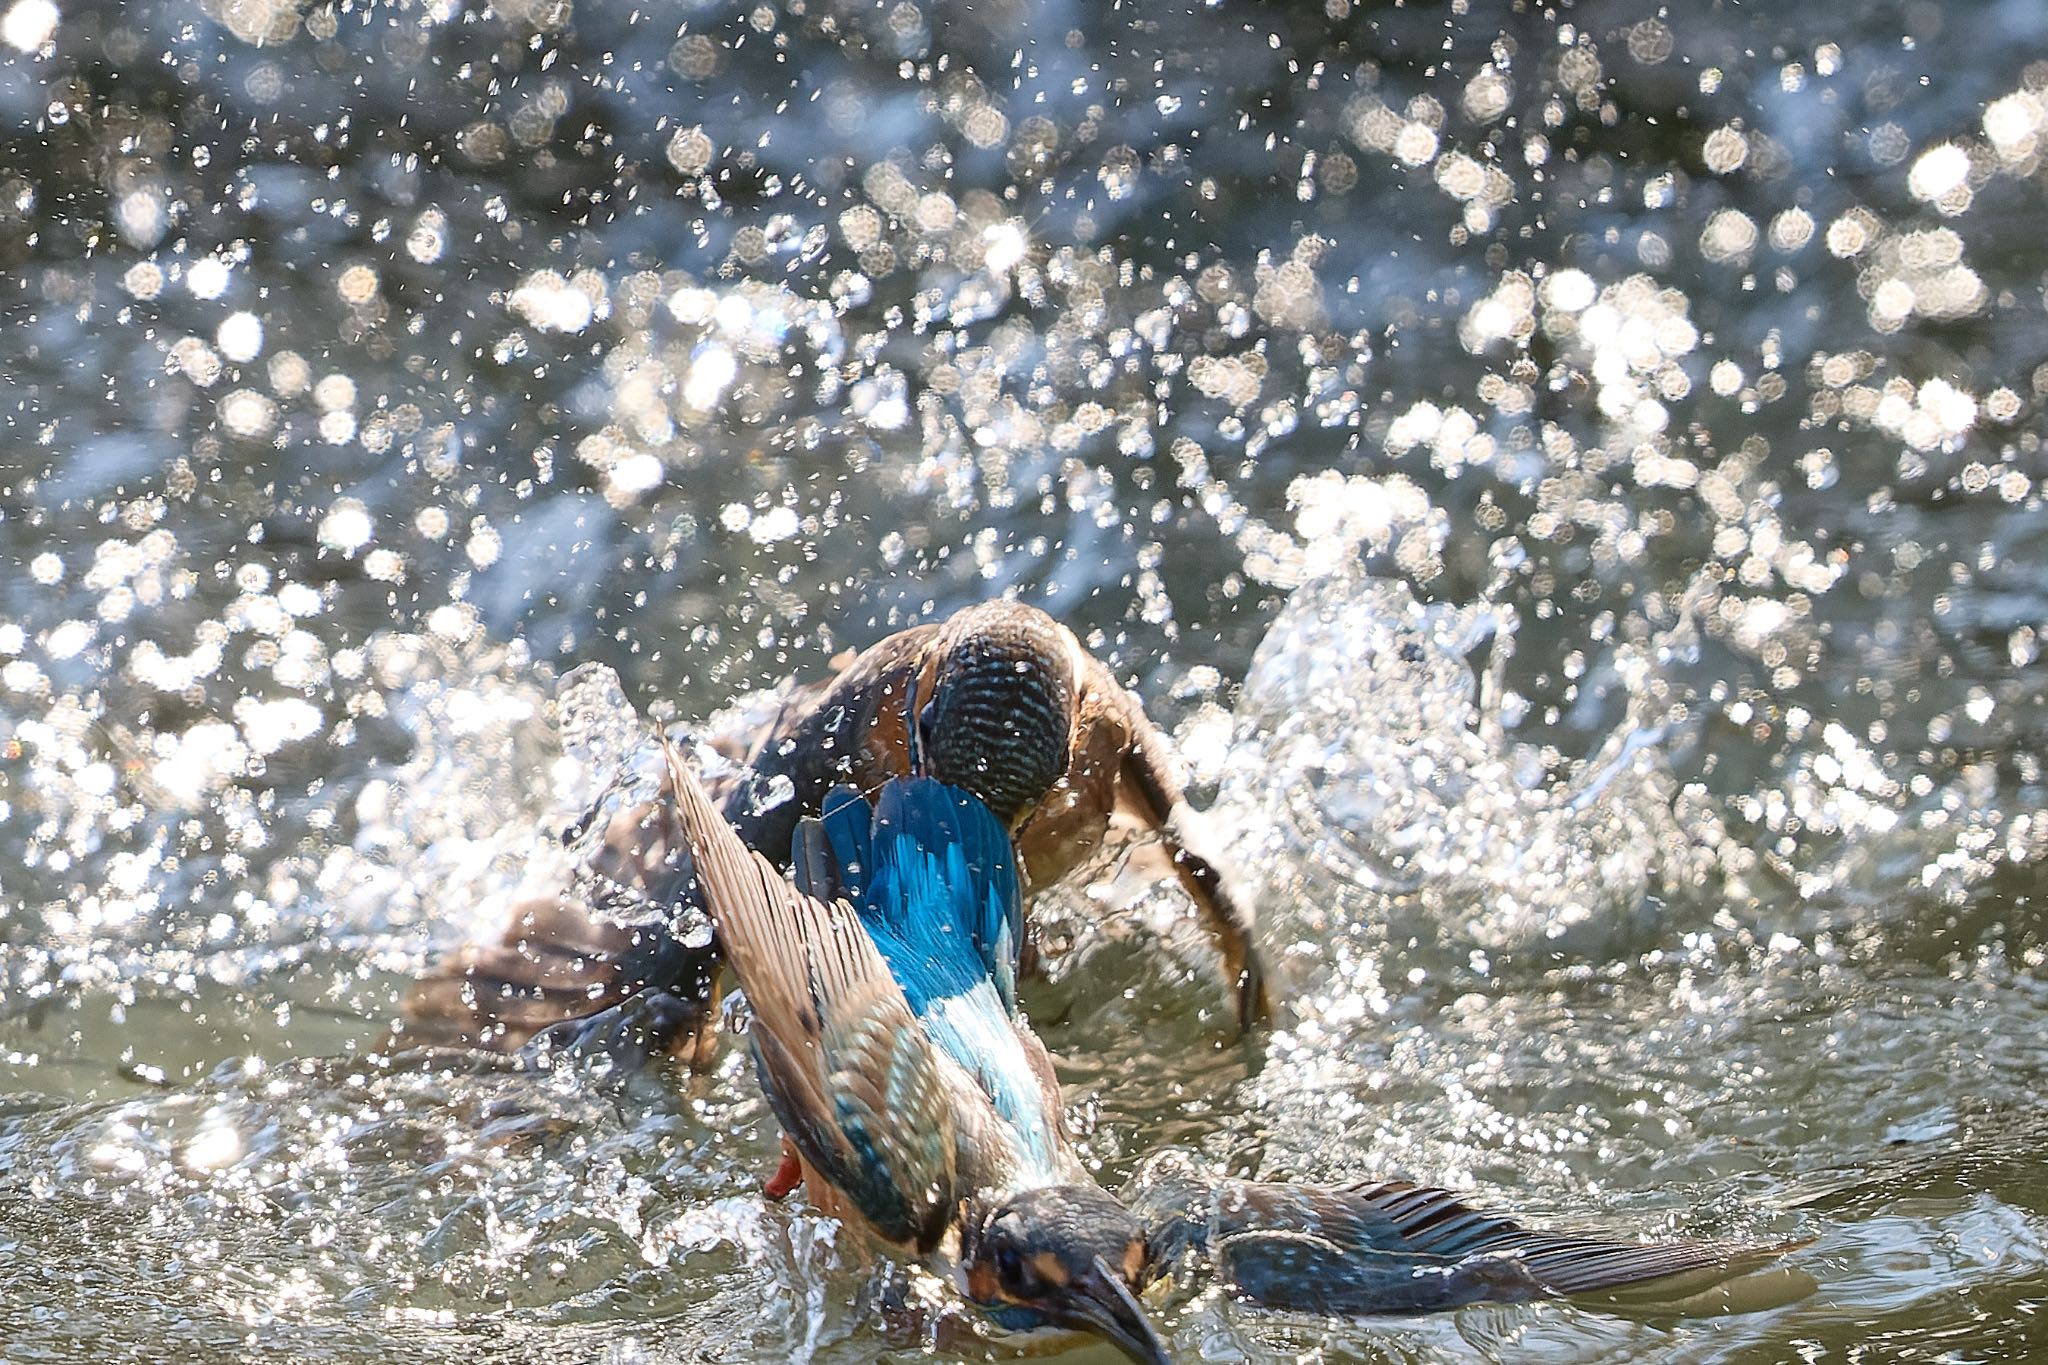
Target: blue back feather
945, 866
846, 817
934, 879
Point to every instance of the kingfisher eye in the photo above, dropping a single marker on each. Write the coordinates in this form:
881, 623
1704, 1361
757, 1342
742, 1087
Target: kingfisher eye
1015, 1270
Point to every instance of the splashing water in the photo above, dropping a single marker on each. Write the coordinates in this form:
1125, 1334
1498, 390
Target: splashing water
1367, 758
1570, 477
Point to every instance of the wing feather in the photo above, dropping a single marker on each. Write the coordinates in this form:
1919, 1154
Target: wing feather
1151, 785
812, 863
564, 955
1393, 1246
1397, 1216
942, 865
846, 1067
847, 818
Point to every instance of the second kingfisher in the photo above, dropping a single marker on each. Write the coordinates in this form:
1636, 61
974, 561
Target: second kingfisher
918, 1105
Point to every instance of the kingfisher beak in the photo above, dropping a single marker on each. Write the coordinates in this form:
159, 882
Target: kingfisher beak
1100, 1302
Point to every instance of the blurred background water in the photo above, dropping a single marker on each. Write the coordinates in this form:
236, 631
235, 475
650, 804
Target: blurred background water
1570, 475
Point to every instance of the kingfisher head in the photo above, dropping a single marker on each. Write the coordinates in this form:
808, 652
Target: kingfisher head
999, 717
1064, 1255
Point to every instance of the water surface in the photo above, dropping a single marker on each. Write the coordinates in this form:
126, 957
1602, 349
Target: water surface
1569, 476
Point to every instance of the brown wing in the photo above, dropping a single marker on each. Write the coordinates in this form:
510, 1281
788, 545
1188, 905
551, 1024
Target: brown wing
846, 1067
565, 956
1151, 789
1122, 773
558, 960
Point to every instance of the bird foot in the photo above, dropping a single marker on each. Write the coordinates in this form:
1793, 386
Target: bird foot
788, 1175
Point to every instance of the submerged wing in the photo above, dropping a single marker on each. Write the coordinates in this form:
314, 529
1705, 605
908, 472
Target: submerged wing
1391, 1246
846, 1067
942, 866
564, 956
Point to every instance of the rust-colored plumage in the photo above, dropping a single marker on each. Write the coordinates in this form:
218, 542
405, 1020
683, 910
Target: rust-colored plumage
999, 699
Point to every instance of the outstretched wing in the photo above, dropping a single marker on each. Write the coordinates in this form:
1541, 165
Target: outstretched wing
943, 866
1151, 792
1391, 1246
845, 1066
565, 955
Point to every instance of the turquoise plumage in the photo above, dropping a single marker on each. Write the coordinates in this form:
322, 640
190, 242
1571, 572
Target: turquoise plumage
933, 878
933, 863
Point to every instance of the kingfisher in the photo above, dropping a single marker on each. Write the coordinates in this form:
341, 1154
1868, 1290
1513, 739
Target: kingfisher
1000, 700
914, 1101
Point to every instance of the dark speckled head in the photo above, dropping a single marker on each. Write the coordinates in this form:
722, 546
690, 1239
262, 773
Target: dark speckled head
999, 719
1068, 1255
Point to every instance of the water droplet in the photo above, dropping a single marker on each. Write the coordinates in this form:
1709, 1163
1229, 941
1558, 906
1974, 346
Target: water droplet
765, 794
695, 931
